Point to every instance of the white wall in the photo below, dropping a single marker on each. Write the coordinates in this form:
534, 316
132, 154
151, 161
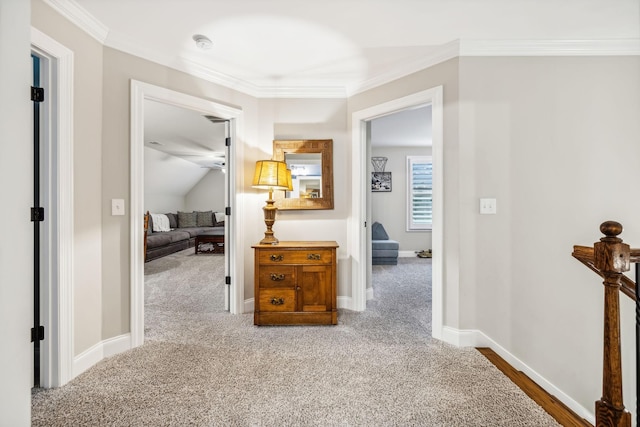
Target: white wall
390, 208
535, 133
119, 69
167, 181
90, 206
208, 193
304, 119
16, 260
555, 140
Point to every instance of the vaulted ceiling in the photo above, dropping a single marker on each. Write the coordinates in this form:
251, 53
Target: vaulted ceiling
184, 133
340, 47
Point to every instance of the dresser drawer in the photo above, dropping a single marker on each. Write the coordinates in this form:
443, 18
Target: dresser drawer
300, 256
277, 276
277, 300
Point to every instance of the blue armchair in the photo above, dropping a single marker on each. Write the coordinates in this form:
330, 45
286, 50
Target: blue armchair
384, 251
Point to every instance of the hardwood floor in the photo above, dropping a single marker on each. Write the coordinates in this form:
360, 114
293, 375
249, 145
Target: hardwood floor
549, 403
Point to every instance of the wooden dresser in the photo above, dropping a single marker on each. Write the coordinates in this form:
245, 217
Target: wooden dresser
295, 283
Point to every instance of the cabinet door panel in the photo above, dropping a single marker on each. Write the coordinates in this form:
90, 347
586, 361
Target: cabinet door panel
314, 292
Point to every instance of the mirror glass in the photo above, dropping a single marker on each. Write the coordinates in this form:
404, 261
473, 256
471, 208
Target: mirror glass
311, 165
306, 174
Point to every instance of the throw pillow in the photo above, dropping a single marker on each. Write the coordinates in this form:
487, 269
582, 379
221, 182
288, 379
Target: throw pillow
187, 219
219, 219
378, 232
173, 220
204, 219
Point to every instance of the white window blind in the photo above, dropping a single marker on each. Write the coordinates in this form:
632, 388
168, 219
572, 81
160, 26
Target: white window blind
419, 193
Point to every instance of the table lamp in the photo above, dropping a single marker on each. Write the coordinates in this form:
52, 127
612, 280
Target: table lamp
271, 175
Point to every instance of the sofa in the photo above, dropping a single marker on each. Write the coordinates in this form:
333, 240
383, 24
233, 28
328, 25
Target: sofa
174, 232
384, 251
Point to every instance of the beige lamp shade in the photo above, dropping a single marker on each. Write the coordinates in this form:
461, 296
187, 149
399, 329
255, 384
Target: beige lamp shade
271, 175
289, 180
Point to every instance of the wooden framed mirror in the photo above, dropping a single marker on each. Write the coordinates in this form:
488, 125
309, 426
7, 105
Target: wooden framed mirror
311, 165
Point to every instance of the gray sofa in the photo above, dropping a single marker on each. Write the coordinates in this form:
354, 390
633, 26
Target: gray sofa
384, 251
185, 226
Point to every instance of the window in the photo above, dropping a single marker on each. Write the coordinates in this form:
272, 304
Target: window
419, 193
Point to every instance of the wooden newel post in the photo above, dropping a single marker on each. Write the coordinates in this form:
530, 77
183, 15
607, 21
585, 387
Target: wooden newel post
611, 257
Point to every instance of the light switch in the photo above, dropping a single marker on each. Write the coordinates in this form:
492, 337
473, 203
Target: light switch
488, 206
117, 206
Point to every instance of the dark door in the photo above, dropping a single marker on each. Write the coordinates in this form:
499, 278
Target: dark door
37, 215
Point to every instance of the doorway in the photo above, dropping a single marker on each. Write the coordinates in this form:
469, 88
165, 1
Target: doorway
55, 67
400, 147
185, 176
360, 216
139, 93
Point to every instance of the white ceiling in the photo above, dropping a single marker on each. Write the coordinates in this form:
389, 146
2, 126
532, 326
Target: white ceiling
184, 133
338, 46
334, 47
169, 176
408, 128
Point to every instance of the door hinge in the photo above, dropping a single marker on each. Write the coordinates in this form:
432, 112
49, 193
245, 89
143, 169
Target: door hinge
37, 334
37, 214
365, 224
37, 94
227, 211
227, 141
227, 280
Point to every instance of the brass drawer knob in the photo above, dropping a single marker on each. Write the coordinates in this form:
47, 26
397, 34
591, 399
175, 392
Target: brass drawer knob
277, 301
277, 277
315, 257
276, 258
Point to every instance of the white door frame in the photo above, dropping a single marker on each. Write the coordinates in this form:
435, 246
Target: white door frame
357, 239
139, 92
57, 256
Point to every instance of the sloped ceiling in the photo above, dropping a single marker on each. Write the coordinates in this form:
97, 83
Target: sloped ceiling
168, 175
184, 133
181, 147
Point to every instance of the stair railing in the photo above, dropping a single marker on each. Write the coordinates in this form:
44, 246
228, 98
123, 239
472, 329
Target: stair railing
609, 258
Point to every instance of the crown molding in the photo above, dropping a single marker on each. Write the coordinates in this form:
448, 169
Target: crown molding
458, 48
196, 69
257, 91
613, 47
80, 17
440, 54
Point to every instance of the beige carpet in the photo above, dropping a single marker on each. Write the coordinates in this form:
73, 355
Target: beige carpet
203, 367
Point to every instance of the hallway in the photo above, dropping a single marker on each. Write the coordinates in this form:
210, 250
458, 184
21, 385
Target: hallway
380, 367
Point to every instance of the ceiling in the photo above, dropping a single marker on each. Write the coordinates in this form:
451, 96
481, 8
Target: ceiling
332, 48
339, 47
407, 128
184, 133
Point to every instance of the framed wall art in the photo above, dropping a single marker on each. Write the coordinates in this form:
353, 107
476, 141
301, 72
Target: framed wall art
380, 181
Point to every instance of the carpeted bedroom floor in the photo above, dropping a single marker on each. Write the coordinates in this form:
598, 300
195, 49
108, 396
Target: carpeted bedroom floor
201, 366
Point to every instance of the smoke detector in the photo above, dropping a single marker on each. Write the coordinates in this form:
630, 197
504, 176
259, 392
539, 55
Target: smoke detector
202, 42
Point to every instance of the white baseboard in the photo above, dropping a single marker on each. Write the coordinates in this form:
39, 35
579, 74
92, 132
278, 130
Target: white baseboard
407, 254
99, 351
475, 338
369, 293
460, 337
344, 302
249, 305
